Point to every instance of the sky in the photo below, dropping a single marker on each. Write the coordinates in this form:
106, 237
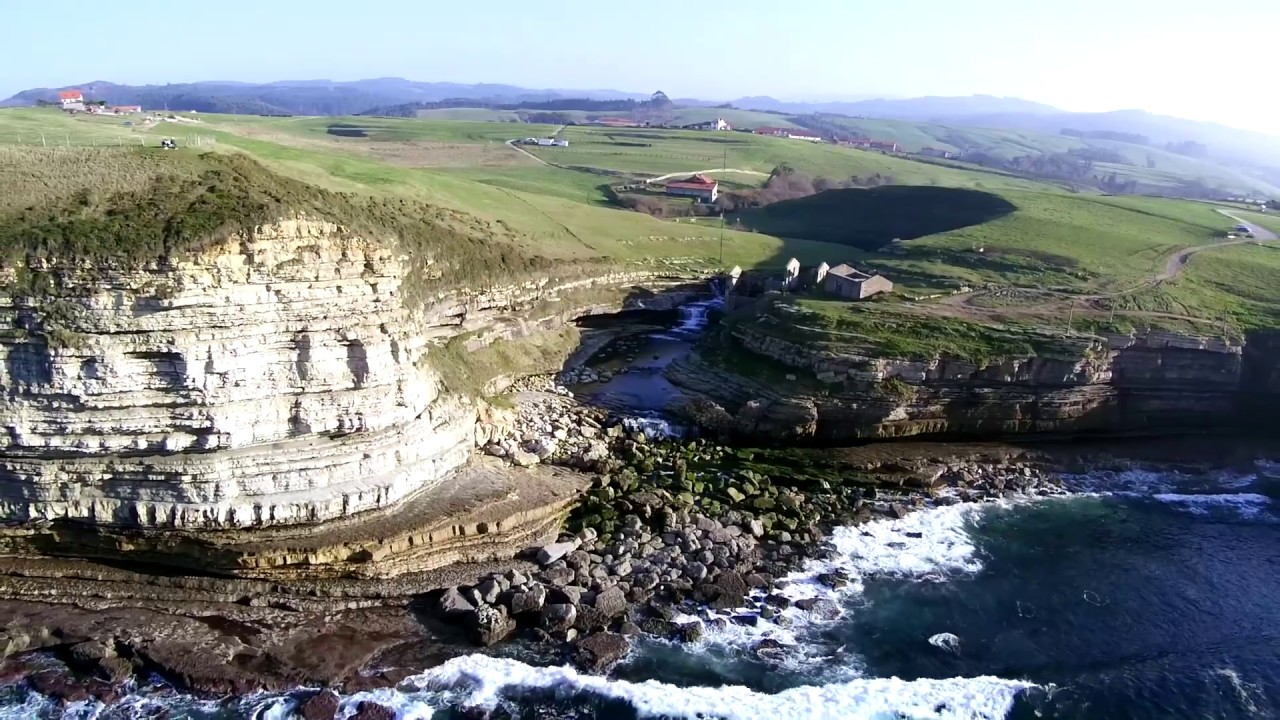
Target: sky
1192, 59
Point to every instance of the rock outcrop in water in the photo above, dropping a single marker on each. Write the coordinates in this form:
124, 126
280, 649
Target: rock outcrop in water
1155, 383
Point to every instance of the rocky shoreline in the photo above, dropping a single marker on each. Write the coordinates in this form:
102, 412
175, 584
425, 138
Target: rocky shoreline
677, 538
673, 539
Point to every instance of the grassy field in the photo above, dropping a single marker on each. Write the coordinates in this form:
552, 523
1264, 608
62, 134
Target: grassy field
883, 329
1235, 286
1150, 166
545, 212
648, 152
535, 216
1016, 238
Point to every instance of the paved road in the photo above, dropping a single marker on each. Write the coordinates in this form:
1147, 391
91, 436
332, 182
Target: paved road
1260, 232
1179, 259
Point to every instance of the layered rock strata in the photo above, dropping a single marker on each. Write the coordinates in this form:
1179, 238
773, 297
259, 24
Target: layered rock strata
212, 412
274, 378
1115, 384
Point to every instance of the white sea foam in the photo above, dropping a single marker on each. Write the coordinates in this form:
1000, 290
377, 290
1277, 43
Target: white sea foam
1246, 504
929, 544
946, 641
483, 682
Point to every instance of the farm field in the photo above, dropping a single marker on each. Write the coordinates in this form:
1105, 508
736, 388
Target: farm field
562, 221
1034, 238
649, 152
1152, 166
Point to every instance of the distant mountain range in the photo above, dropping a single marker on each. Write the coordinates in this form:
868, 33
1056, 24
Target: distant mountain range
300, 97
921, 108
326, 97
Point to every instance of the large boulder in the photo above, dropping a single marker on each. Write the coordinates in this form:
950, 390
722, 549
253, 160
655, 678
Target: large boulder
727, 592
367, 710
608, 605
599, 651
819, 608
452, 603
520, 458
548, 554
321, 706
559, 616
530, 601
706, 414
782, 420
490, 625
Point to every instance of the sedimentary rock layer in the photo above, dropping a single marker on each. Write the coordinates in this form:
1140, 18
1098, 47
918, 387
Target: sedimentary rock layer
1154, 383
277, 377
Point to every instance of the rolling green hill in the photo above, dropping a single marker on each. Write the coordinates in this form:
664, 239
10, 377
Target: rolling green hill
455, 187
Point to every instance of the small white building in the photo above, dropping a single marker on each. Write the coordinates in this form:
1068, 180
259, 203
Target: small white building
71, 100
717, 124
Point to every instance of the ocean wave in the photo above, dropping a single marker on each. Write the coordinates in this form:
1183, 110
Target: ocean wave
1246, 504
928, 545
479, 681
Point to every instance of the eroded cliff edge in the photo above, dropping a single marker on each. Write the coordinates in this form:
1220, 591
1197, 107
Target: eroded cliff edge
765, 387
210, 410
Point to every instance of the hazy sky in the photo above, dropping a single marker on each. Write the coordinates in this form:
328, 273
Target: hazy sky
1202, 60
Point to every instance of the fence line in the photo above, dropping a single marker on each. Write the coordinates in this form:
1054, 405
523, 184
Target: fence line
56, 139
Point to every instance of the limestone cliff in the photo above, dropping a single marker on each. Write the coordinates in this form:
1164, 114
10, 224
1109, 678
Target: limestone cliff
271, 378
275, 377
1154, 383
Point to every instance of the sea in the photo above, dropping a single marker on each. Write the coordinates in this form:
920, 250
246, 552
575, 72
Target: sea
1138, 595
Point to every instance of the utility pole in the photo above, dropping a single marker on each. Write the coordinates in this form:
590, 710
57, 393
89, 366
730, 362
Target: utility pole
1071, 316
1113, 311
722, 237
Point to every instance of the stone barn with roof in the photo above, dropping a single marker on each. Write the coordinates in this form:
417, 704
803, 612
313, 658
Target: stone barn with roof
849, 282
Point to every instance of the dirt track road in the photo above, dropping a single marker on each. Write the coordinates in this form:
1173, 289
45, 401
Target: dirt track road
668, 176
512, 144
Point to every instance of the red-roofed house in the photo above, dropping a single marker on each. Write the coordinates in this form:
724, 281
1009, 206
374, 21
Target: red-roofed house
71, 100
699, 187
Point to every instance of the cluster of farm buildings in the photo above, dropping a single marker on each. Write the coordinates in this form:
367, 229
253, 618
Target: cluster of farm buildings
843, 280
73, 101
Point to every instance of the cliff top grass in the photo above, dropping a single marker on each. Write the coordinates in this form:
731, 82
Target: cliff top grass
892, 330
151, 205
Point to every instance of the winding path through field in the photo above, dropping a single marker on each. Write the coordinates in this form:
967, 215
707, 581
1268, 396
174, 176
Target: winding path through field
1180, 258
668, 176
512, 144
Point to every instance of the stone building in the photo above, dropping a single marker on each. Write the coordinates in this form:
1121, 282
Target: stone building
849, 282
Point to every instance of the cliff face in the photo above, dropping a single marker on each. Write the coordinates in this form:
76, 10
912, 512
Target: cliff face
1155, 383
274, 378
